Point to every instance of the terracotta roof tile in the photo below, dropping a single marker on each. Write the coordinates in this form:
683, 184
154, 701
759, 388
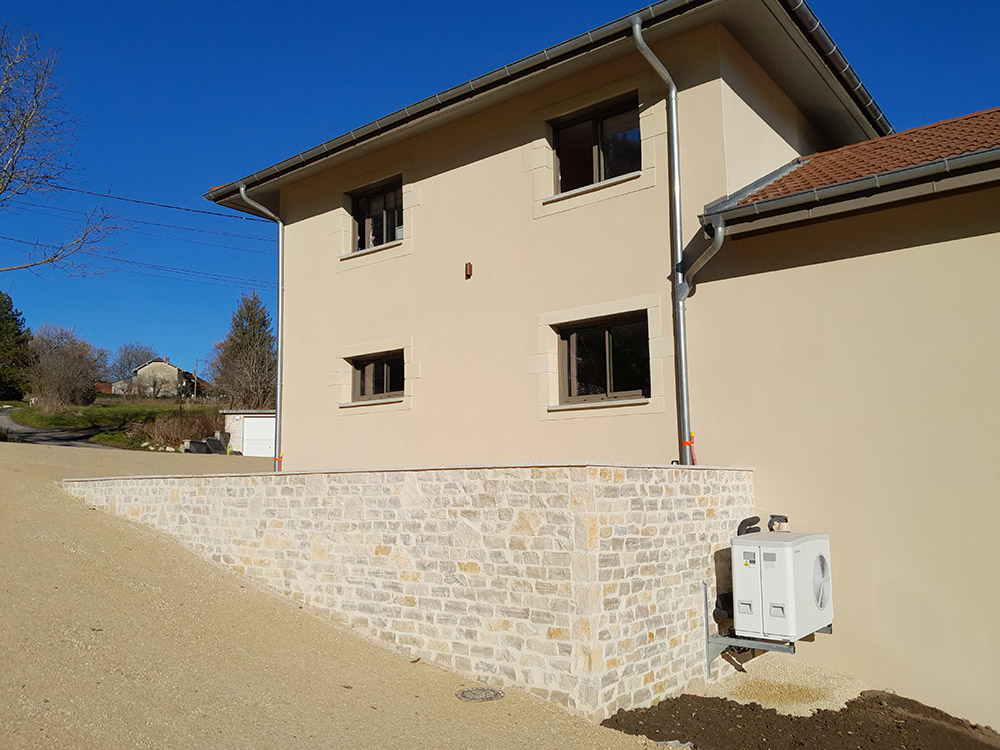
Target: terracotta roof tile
909, 148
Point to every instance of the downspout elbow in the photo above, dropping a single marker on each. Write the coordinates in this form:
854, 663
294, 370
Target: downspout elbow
718, 237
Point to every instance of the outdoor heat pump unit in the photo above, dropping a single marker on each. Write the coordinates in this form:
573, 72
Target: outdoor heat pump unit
782, 589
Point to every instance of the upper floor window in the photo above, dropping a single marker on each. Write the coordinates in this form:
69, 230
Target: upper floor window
378, 214
378, 376
598, 144
605, 359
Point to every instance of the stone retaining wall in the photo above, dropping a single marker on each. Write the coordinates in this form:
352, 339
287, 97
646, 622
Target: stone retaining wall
581, 584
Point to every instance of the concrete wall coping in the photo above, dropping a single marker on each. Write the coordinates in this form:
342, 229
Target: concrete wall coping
565, 465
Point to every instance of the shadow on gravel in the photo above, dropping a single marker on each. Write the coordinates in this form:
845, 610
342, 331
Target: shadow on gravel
873, 720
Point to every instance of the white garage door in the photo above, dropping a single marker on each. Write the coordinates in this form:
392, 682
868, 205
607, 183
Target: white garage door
258, 436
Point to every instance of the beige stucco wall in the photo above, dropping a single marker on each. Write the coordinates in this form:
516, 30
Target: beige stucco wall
864, 391
480, 353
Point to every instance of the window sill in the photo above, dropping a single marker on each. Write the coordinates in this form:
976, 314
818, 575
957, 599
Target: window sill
370, 250
599, 404
373, 402
591, 188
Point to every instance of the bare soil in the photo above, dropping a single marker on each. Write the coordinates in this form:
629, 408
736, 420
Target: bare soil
872, 720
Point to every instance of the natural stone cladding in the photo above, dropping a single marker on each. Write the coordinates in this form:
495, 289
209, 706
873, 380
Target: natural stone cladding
581, 584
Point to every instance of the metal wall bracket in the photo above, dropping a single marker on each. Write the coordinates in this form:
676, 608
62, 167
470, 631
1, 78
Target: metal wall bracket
715, 645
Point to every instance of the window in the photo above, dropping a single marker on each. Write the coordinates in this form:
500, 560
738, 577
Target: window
598, 144
379, 376
604, 359
378, 214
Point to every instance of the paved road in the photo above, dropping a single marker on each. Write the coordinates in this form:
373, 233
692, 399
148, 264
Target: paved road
46, 436
114, 636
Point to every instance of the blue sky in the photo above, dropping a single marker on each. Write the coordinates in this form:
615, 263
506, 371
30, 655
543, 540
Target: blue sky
171, 99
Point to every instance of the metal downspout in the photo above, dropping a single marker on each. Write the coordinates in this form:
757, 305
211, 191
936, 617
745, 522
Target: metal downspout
718, 236
679, 284
280, 317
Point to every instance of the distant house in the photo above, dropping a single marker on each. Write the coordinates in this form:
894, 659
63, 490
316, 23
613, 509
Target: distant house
159, 378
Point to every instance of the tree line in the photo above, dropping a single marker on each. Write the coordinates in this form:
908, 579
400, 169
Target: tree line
57, 368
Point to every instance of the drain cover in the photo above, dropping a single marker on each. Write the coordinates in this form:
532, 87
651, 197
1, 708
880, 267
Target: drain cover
479, 694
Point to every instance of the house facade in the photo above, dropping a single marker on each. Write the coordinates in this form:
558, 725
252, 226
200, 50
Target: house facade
494, 265
159, 378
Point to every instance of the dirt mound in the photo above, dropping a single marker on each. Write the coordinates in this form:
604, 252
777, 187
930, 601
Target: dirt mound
873, 720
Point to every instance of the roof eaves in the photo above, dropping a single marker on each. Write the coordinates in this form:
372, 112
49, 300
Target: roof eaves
821, 40
662, 11
580, 44
882, 182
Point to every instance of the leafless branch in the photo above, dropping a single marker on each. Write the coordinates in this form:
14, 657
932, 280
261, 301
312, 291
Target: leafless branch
97, 227
35, 137
35, 132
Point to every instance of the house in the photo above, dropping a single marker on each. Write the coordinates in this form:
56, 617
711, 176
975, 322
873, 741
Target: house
159, 378
500, 261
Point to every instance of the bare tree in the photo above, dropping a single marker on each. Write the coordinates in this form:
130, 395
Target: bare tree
35, 136
153, 386
64, 368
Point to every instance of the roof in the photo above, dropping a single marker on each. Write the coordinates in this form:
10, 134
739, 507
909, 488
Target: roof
797, 13
967, 143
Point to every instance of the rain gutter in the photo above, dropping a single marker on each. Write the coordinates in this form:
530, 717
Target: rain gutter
280, 317
797, 10
823, 43
884, 182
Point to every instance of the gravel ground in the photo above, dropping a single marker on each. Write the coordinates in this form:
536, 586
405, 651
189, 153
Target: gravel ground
116, 637
788, 686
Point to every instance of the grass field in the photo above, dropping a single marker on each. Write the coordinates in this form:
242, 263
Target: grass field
106, 412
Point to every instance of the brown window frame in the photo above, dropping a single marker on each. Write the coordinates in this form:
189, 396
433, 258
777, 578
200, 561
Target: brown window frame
596, 115
568, 359
361, 213
363, 378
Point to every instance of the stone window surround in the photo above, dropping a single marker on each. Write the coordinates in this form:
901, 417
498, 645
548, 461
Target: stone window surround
343, 375
342, 233
540, 157
545, 364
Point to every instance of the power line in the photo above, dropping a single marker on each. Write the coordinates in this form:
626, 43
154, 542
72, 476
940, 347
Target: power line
180, 271
270, 253
185, 271
229, 284
151, 223
129, 230
27, 242
163, 205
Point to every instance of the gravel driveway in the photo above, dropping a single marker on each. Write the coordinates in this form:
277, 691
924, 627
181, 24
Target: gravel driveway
113, 636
